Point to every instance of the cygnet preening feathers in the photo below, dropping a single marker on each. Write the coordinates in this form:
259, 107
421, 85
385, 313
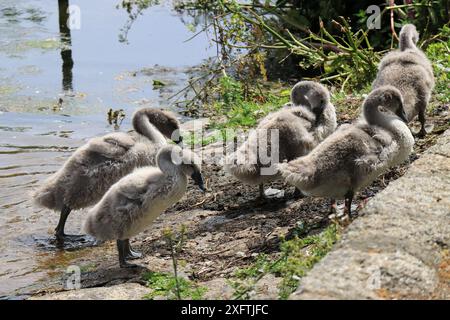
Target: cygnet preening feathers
409, 70
300, 127
95, 166
137, 199
355, 155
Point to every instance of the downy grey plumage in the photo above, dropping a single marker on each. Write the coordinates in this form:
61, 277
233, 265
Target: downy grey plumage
136, 200
301, 126
356, 154
95, 166
409, 70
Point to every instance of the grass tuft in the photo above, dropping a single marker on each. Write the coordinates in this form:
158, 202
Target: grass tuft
297, 257
165, 285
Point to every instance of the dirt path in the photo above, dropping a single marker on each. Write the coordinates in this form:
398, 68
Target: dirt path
226, 227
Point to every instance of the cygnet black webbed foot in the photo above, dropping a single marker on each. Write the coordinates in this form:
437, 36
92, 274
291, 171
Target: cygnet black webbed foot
76, 241
73, 237
333, 207
261, 199
124, 249
421, 134
348, 207
298, 194
69, 240
130, 253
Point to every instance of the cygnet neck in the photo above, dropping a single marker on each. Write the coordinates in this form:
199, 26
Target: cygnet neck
165, 161
374, 116
143, 126
406, 41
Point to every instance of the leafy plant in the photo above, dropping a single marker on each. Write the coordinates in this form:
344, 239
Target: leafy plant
297, 256
300, 255
302, 39
439, 54
176, 242
173, 286
166, 285
239, 111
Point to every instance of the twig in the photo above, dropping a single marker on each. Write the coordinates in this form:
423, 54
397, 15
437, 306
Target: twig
392, 5
215, 252
200, 203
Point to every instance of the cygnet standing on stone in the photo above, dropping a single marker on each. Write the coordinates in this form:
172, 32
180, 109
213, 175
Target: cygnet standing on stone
409, 70
355, 155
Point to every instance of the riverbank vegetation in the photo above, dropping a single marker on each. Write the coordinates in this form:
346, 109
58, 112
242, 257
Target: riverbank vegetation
264, 47
297, 256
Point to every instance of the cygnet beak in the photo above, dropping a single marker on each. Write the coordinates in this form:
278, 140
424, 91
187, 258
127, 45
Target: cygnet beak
402, 115
318, 113
198, 179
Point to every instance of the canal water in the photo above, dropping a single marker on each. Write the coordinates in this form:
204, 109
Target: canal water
56, 87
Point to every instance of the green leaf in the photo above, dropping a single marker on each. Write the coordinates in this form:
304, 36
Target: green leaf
158, 83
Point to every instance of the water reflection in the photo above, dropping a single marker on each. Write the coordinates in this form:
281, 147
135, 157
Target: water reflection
38, 133
66, 45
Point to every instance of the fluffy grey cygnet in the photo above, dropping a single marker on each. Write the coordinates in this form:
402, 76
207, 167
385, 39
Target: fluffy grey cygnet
409, 70
94, 167
309, 119
356, 154
136, 200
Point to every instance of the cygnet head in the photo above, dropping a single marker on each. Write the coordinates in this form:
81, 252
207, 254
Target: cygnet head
389, 98
165, 121
311, 94
185, 159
